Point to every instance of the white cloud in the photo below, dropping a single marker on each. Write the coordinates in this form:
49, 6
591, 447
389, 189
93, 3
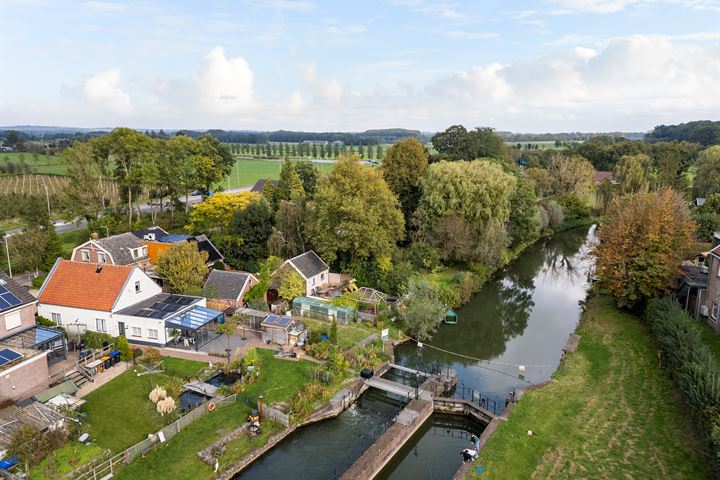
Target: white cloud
103, 89
440, 9
336, 29
596, 6
297, 5
224, 85
323, 90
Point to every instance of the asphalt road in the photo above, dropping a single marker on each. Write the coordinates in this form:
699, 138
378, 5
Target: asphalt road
62, 226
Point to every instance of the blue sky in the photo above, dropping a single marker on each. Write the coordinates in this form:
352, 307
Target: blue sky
535, 66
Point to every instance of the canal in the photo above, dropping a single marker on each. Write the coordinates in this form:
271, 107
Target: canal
522, 316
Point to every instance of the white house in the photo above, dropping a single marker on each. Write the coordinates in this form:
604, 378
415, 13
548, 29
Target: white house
122, 300
312, 269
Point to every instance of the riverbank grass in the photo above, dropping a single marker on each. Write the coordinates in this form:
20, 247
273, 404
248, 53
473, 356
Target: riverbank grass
611, 413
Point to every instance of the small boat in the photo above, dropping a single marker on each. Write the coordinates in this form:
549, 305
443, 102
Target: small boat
451, 318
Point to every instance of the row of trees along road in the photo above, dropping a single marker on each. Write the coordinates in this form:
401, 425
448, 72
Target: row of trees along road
141, 165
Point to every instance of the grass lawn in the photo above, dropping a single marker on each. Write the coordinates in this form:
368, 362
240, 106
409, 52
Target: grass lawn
711, 338
119, 412
177, 459
348, 335
611, 414
247, 172
64, 460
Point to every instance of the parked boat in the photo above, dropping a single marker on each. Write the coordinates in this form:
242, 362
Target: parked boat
451, 318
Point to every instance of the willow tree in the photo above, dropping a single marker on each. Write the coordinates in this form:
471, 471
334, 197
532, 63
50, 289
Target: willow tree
354, 213
403, 166
635, 173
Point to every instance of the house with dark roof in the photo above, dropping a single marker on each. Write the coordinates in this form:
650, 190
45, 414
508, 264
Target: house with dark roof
228, 287
601, 176
122, 300
26, 350
157, 241
260, 185
123, 249
312, 269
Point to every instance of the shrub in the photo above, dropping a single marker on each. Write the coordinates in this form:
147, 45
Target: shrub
423, 256
692, 367
333, 337
96, 339
38, 281
122, 344
573, 207
314, 335
44, 322
152, 355
543, 218
555, 213
165, 406
157, 394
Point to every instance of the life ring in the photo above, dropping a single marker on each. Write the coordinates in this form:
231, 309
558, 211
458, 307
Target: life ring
211, 406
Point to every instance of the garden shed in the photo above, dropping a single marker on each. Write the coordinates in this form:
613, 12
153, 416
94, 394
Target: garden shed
322, 310
283, 330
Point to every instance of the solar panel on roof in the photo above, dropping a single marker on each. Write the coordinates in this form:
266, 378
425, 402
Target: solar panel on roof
7, 356
7, 299
156, 314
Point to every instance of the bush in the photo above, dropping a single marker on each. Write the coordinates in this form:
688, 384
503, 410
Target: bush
423, 256
573, 207
152, 355
96, 339
555, 213
44, 322
122, 344
692, 367
37, 282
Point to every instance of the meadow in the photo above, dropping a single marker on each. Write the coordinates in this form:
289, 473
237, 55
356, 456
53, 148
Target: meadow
248, 171
44, 164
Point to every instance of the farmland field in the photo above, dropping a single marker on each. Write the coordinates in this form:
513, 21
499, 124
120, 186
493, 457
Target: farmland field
248, 171
32, 184
47, 164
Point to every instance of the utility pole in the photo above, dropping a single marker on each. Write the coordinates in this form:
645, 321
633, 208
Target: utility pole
7, 250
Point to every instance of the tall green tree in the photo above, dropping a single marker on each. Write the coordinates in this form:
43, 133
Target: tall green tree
289, 180
402, 167
253, 224
523, 221
184, 267
424, 311
457, 143
635, 173
644, 239
128, 149
308, 176
572, 175
89, 189
354, 213
707, 178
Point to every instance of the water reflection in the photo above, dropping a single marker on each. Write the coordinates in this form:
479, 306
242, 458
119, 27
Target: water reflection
522, 316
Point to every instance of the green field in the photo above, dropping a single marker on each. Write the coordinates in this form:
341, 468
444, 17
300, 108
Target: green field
610, 413
47, 164
247, 172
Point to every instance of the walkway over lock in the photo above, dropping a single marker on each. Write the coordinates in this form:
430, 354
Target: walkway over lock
391, 387
409, 370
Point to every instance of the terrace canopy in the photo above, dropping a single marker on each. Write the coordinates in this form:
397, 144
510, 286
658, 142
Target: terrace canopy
196, 325
40, 338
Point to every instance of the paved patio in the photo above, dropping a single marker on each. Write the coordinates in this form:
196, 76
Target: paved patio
215, 350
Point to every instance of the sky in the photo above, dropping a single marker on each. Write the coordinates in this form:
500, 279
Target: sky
342, 65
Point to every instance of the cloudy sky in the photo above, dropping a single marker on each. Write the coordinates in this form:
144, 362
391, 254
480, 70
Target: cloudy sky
530, 66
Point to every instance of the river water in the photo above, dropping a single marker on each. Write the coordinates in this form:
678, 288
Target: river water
522, 316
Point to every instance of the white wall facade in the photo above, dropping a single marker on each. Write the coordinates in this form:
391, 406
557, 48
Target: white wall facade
76, 320
145, 325
129, 296
318, 281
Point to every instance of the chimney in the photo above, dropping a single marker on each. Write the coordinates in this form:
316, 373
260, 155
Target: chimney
98, 269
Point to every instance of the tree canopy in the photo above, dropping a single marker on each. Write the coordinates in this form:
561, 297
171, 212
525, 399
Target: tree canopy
457, 143
184, 267
707, 178
216, 213
353, 213
402, 167
644, 237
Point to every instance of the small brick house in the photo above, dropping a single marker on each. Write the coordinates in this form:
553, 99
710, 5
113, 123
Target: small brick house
228, 288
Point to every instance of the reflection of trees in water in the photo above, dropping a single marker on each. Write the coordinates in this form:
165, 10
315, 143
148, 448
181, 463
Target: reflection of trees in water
501, 311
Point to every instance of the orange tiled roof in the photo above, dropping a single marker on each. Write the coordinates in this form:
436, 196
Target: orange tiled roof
78, 284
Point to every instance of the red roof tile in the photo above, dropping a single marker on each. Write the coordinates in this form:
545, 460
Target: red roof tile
78, 284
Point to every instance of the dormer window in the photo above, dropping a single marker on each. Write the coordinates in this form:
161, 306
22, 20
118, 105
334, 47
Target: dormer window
144, 251
137, 287
102, 258
85, 255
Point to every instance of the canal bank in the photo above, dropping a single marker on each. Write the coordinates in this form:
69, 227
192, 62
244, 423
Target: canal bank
522, 316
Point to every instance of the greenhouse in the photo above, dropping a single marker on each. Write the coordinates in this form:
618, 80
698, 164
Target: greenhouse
322, 310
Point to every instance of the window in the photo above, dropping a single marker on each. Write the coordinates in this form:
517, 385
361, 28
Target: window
85, 255
102, 258
12, 320
100, 325
322, 277
152, 333
137, 287
715, 311
136, 331
56, 318
144, 251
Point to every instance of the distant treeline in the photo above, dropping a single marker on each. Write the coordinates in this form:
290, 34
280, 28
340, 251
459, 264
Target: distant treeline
369, 137
565, 137
704, 132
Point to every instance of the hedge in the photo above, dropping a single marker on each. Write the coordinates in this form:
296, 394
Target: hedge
692, 367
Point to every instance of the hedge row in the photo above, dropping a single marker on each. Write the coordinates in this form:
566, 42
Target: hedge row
693, 368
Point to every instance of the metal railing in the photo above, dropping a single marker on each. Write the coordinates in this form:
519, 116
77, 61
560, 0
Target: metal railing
483, 401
